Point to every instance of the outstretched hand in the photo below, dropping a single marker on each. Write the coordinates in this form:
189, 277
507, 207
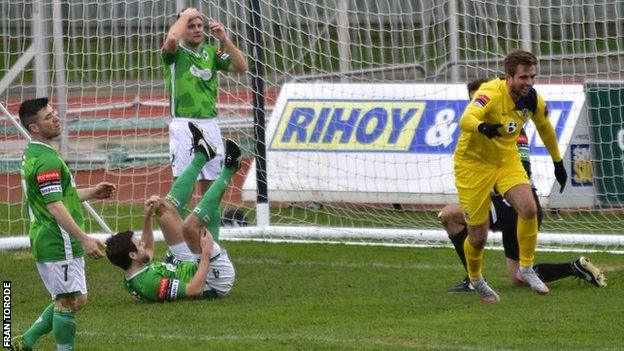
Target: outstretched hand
104, 190
93, 248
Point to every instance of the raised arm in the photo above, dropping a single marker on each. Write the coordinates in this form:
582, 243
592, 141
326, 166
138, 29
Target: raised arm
177, 30
147, 236
239, 64
103, 190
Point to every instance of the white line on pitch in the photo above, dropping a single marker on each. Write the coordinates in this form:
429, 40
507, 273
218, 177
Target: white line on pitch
275, 262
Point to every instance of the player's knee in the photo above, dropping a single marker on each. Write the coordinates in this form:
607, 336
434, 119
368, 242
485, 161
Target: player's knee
451, 217
71, 304
478, 243
528, 211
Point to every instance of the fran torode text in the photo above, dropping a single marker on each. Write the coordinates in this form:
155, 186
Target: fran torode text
6, 314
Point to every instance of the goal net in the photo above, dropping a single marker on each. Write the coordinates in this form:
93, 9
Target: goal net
362, 101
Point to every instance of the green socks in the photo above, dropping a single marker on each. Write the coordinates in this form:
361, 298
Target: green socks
64, 326
40, 327
182, 188
208, 210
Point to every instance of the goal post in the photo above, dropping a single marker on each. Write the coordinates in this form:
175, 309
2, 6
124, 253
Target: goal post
361, 100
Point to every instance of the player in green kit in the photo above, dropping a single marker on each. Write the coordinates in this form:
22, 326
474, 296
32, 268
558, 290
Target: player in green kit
190, 73
57, 237
199, 266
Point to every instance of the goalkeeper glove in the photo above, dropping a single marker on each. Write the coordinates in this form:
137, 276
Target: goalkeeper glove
561, 174
489, 130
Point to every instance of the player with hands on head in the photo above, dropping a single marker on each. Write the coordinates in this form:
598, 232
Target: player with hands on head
190, 71
57, 238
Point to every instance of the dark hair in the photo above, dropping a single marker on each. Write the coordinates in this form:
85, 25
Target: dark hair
119, 247
516, 58
28, 110
474, 85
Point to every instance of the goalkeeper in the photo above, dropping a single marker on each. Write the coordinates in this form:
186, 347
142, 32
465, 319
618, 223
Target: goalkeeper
486, 158
200, 267
504, 218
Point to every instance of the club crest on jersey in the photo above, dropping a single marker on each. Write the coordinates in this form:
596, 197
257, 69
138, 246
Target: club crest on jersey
511, 126
204, 74
481, 100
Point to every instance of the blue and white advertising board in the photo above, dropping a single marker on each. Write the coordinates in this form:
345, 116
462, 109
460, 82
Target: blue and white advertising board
385, 143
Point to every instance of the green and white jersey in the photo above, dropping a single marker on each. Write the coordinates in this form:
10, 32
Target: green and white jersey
46, 179
159, 281
191, 80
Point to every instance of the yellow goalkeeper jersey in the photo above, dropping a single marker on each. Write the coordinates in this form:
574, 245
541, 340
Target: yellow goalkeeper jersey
493, 104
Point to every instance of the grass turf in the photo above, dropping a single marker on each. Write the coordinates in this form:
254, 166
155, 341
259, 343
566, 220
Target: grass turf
338, 297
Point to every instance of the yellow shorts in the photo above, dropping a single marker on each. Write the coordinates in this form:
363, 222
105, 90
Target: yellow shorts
474, 188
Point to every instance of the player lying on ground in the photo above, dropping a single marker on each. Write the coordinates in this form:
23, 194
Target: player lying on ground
200, 268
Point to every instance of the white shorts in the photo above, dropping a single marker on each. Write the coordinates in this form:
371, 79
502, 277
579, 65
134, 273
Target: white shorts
63, 277
221, 273
181, 143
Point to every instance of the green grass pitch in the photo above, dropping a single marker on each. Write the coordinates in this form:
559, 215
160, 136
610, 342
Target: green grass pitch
338, 297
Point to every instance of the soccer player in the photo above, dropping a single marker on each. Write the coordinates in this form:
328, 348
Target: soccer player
504, 218
190, 73
57, 238
486, 158
200, 267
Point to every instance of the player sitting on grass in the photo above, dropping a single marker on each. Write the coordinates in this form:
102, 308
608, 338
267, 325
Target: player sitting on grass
504, 218
200, 268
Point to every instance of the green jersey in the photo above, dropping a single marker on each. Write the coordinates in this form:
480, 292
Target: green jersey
47, 179
191, 80
159, 281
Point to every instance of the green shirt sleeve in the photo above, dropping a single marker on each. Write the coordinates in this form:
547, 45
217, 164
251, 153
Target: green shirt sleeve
168, 58
48, 179
170, 289
157, 282
222, 60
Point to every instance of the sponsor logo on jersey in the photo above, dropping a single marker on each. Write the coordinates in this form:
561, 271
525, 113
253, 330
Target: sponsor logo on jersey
222, 55
163, 288
481, 101
49, 182
511, 126
204, 74
49, 189
48, 176
173, 290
